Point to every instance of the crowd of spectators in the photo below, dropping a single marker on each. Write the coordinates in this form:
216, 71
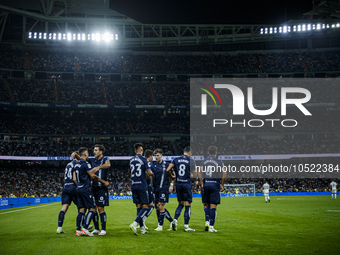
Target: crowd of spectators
97, 62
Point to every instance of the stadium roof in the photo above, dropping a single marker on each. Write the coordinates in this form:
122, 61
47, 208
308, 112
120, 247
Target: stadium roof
85, 17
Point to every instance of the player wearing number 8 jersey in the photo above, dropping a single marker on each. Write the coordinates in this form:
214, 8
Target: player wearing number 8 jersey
69, 194
183, 166
139, 167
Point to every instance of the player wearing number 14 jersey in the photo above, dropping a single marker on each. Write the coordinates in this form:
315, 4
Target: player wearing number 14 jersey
69, 194
183, 166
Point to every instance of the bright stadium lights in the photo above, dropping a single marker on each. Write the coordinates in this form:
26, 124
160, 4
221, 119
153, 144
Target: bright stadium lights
106, 37
295, 28
99, 37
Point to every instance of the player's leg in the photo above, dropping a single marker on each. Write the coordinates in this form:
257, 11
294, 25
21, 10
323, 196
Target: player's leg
140, 197
90, 204
103, 218
61, 218
187, 212
335, 194
80, 218
96, 216
161, 208
206, 208
213, 214
268, 197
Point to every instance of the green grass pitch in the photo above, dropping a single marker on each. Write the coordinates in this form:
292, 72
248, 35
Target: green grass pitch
247, 225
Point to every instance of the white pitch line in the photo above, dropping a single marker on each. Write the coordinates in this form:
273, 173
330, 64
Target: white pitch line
27, 208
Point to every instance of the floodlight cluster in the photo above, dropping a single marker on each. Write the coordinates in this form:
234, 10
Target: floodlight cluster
296, 28
106, 37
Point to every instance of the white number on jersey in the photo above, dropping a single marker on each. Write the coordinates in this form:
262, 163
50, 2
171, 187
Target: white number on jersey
138, 171
181, 171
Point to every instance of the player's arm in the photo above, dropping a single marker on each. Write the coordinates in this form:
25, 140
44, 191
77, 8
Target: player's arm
150, 174
75, 155
96, 178
106, 165
74, 178
199, 176
168, 170
224, 178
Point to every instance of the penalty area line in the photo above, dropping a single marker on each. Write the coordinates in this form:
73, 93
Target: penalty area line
27, 208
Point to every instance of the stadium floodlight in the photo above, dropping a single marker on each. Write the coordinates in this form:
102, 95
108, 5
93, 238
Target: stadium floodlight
338, 25
299, 28
261, 31
83, 37
59, 36
314, 26
327, 26
30, 35
318, 26
40, 35
294, 28
309, 27
98, 37
89, 37
50, 36
93, 37
333, 25
79, 37
303, 27
74, 37
106, 37
280, 29
54, 36
288, 29
323, 26
116, 36
266, 30
35, 35
275, 30
285, 29
270, 30
111, 37
69, 37
64, 36
45, 35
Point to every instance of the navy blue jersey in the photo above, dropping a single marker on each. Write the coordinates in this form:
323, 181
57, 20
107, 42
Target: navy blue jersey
138, 167
212, 171
183, 166
161, 178
68, 176
81, 169
101, 173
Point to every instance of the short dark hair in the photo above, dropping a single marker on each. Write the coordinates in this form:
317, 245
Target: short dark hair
82, 150
212, 150
148, 153
138, 146
100, 147
160, 151
187, 149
